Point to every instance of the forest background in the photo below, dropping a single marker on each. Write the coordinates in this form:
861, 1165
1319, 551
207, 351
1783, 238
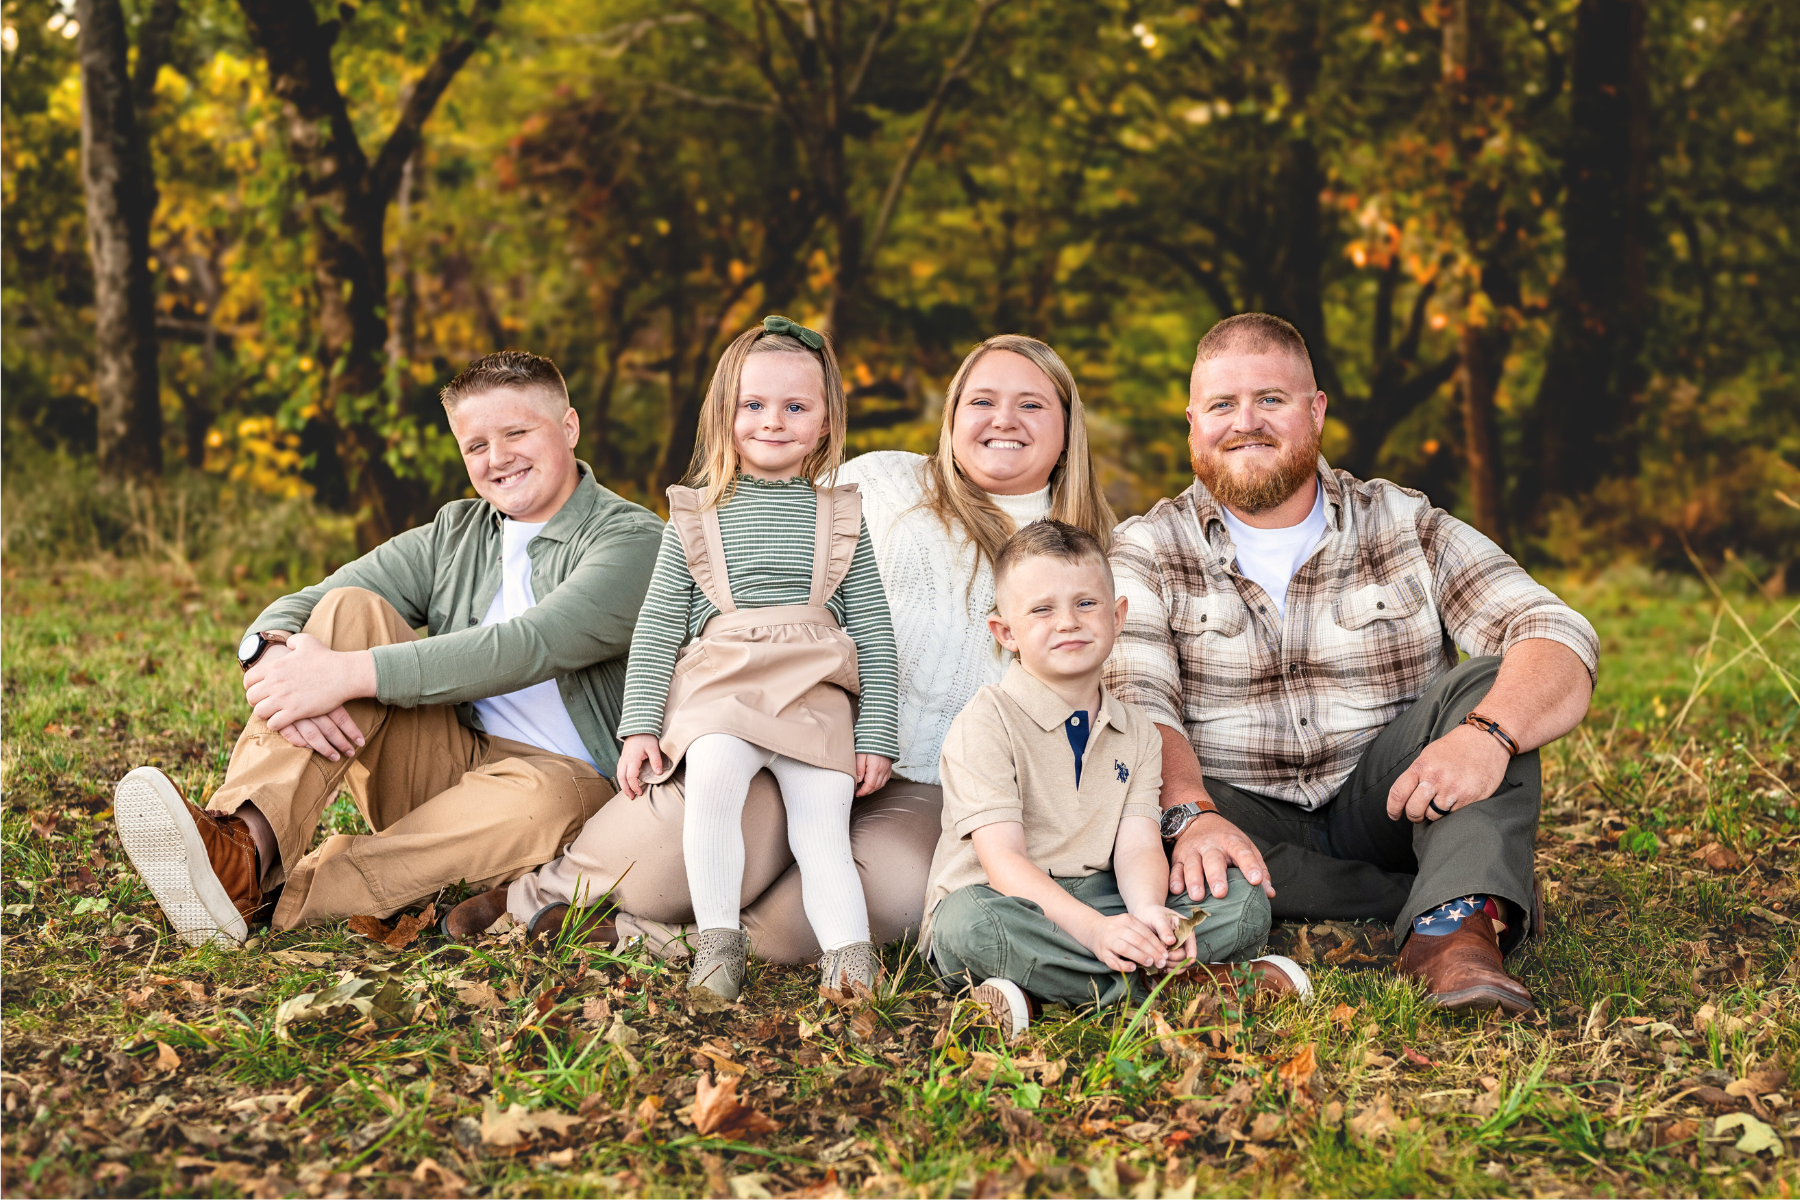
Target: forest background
1539, 248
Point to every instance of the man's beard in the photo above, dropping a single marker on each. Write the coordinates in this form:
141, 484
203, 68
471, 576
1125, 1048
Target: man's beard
1256, 488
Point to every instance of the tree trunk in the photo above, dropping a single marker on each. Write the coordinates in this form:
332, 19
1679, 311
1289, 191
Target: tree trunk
347, 196
1483, 352
1469, 81
121, 197
1591, 373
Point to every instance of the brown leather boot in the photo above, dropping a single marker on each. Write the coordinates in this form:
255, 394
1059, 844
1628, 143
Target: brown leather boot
1463, 970
1275, 976
200, 866
472, 917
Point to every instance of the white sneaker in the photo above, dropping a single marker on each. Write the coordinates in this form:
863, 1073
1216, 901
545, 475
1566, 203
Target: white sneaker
162, 836
1006, 1000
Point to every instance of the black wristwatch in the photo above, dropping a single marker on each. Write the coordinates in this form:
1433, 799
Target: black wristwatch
1178, 817
255, 645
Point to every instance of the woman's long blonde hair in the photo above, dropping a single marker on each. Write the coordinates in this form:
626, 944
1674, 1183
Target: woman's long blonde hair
1075, 495
714, 469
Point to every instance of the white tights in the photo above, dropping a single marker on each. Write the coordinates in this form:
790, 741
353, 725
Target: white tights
719, 770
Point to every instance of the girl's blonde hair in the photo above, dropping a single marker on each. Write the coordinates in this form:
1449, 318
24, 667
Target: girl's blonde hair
714, 469
1075, 495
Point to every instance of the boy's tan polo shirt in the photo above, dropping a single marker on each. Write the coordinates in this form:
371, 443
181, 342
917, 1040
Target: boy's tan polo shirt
1007, 758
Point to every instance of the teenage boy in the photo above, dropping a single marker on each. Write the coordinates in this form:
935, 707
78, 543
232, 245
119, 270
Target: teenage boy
476, 753
1049, 880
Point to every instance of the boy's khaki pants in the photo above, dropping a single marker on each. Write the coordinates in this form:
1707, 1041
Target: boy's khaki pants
447, 804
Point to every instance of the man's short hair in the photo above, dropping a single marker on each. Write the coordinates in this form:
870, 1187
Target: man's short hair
509, 369
1050, 539
1253, 333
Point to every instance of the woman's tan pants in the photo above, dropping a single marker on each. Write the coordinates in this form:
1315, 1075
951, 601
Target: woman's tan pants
447, 804
634, 848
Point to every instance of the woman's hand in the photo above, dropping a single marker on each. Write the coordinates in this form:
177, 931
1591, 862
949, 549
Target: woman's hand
872, 773
639, 748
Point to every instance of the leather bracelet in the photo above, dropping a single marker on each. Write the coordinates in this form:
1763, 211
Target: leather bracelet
1491, 726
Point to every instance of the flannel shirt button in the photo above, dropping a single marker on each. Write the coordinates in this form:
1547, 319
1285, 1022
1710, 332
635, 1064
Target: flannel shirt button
472, 619
1303, 720
1261, 608
1381, 604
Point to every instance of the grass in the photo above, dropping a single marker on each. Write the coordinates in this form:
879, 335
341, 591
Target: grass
133, 1066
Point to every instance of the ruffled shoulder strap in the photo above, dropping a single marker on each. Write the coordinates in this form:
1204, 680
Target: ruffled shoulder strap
698, 529
834, 545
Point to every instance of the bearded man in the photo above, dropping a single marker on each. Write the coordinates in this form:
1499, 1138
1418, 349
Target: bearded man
1294, 631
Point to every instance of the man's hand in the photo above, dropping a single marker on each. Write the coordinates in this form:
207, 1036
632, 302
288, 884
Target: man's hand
872, 773
1206, 848
1464, 766
639, 748
1124, 943
306, 679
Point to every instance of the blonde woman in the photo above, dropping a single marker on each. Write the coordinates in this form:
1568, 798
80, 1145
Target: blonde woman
1012, 449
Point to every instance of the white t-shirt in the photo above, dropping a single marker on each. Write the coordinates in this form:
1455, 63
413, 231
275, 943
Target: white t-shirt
534, 715
1269, 557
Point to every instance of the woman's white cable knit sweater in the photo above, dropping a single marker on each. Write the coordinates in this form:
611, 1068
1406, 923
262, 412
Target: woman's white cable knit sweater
940, 620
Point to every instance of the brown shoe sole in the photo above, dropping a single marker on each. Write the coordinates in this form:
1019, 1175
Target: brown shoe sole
1481, 998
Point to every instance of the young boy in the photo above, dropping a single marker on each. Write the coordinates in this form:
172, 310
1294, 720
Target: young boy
1050, 881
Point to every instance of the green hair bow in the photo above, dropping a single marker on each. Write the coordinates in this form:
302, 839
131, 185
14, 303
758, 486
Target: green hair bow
812, 339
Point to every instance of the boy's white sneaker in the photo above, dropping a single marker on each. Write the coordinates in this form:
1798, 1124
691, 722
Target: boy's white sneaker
1009, 1004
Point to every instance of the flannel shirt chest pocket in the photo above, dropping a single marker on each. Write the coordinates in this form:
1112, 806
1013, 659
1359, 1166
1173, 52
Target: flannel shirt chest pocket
1389, 638
1213, 643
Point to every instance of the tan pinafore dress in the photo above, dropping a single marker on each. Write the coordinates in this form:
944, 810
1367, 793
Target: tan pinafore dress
780, 677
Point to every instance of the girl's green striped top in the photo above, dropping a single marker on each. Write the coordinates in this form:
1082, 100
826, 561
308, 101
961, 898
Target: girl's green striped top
767, 530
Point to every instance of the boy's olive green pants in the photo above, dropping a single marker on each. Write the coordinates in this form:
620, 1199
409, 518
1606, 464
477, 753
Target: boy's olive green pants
977, 933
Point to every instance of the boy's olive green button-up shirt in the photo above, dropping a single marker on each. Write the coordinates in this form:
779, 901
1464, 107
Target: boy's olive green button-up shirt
590, 568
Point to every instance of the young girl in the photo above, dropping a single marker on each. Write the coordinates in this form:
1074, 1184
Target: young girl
765, 615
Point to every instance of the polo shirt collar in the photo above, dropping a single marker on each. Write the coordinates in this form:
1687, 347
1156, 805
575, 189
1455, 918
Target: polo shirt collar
575, 510
1050, 710
1210, 514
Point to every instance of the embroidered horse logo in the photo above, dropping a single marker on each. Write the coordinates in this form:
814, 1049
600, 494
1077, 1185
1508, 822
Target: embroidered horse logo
1121, 770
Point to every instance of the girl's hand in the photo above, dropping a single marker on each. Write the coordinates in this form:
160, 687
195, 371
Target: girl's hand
872, 773
639, 749
1163, 921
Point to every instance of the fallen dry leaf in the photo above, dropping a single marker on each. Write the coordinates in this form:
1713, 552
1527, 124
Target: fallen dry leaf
448, 1181
1297, 1071
479, 995
1021, 1124
404, 932
166, 1058
512, 1127
1343, 1015
705, 1000
1265, 1126
1676, 1131
1770, 1079
718, 1111
1377, 1120
1756, 1136
1719, 857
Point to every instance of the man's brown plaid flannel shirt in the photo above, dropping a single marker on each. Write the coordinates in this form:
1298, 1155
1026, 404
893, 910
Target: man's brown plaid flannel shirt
1284, 706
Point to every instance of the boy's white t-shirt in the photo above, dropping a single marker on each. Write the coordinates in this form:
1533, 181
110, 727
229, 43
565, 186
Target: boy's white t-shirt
1269, 557
535, 715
